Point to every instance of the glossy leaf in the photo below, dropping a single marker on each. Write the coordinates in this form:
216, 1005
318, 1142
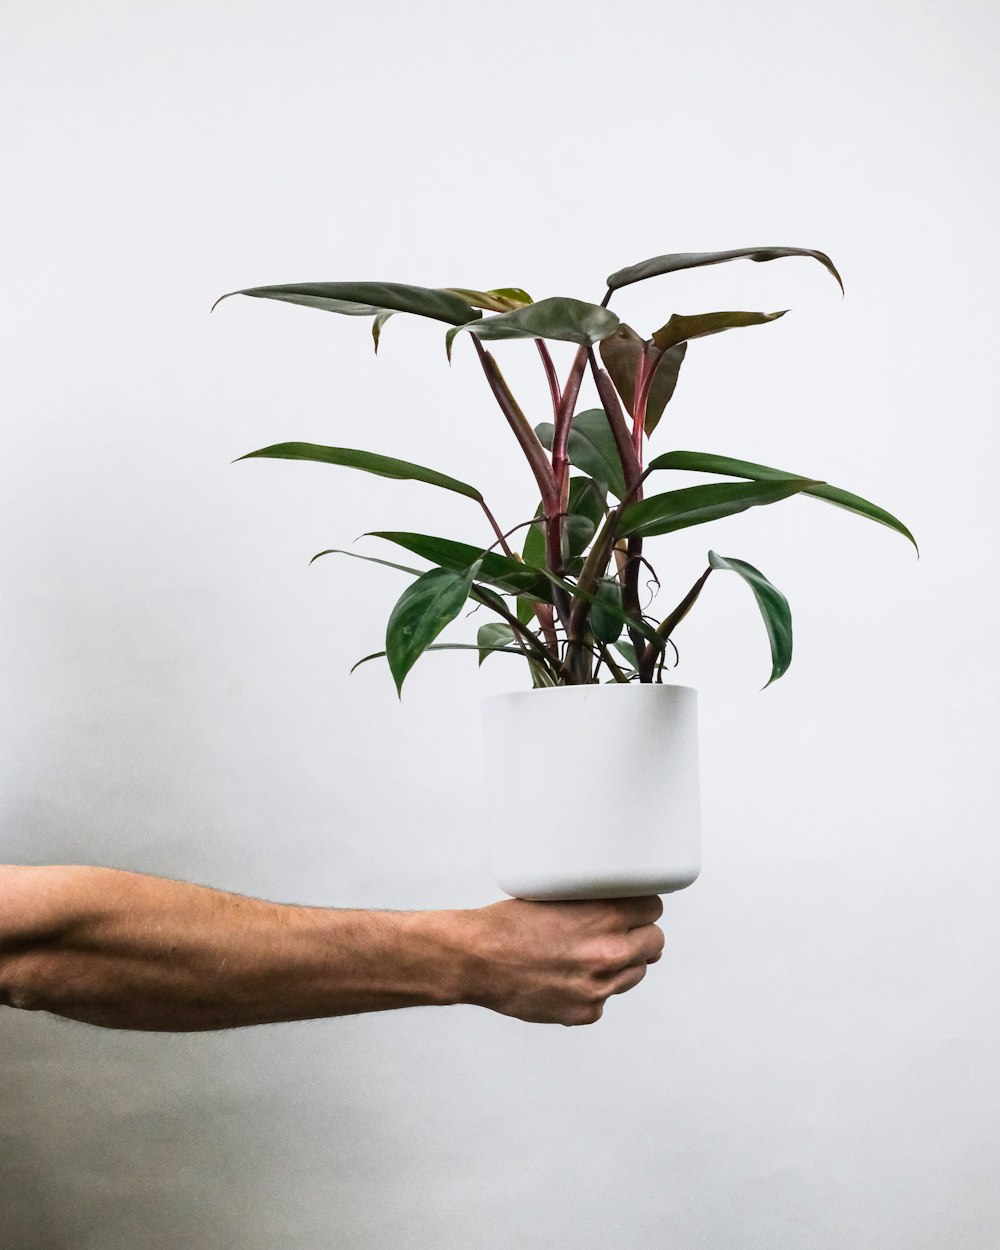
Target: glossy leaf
773, 608
420, 614
494, 636
681, 329
704, 462
444, 646
674, 261
620, 354
504, 299
367, 299
498, 570
339, 551
636, 623
605, 626
368, 462
678, 509
566, 320
591, 448
586, 509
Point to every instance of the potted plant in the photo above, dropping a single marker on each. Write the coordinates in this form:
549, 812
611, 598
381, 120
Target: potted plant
561, 586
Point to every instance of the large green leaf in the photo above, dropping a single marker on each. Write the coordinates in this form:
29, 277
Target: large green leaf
678, 509
567, 320
501, 571
591, 447
674, 261
368, 299
420, 614
680, 329
368, 461
773, 608
704, 462
620, 353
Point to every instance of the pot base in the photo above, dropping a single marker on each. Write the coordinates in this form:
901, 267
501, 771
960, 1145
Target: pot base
549, 890
601, 784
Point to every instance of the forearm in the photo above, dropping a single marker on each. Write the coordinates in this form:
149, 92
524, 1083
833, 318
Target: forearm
128, 951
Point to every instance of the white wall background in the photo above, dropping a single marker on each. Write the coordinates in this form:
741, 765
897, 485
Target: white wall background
812, 1065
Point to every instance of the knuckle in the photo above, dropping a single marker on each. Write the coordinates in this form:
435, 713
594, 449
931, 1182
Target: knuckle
606, 954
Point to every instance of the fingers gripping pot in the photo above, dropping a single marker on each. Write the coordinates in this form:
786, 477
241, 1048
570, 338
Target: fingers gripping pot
603, 790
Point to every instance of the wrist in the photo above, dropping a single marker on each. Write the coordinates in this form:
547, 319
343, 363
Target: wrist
445, 943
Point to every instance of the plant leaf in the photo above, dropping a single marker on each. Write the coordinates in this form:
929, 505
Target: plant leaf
377, 325
368, 461
773, 608
339, 551
420, 614
627, 652
591, 447
704, 462
567, 320
636, 623
620, 353
444, 646
503, 299
678, 509
506, 574
587, 508
494, 636
674, 261
367, 299
680, 329
605, 626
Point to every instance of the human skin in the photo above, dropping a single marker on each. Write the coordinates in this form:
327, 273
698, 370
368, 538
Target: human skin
129, 951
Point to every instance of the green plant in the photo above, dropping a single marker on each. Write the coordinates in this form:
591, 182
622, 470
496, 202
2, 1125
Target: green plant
569, 602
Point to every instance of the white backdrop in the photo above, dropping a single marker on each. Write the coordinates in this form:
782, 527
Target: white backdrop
812, 1064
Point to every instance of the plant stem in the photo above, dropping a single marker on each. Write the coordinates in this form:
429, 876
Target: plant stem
533, 450
564, 415
550, 373
525, 639
647, 657
608, 659
631, 468
501, 536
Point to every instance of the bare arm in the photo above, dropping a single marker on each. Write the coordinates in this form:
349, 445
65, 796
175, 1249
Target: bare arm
128, 951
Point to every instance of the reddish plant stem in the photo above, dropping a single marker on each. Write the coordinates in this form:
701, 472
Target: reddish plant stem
527, 438
631, 468
643, 378
550, 373
501, 536
564, 416
538, 461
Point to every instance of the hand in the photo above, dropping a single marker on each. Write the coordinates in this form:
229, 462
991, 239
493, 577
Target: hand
558, 963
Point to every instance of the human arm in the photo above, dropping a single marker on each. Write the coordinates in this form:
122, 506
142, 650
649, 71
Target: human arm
124, 950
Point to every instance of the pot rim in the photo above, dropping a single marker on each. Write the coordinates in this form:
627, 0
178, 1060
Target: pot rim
659, 687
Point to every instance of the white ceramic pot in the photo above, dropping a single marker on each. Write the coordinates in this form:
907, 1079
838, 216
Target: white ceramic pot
594, 790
